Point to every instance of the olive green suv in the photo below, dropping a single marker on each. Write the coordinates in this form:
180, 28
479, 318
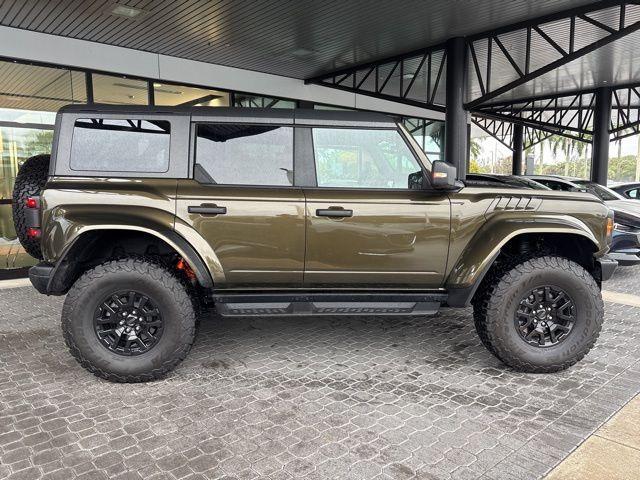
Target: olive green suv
145, 217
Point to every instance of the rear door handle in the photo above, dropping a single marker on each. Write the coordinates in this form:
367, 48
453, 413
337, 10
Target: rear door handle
334, 212
207, 209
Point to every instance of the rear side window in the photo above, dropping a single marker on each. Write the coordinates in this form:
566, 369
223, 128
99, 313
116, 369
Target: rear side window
127, 145
360, 158
236, 154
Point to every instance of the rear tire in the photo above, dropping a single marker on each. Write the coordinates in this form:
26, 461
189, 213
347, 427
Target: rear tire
519, 320
30, 182
129, 320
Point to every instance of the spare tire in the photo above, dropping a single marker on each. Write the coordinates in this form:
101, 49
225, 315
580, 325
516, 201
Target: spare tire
30, 182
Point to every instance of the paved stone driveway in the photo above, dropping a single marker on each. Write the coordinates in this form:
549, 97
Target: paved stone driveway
321, 398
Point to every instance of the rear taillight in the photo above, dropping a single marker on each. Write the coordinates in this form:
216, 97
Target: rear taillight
33, 232
31, 202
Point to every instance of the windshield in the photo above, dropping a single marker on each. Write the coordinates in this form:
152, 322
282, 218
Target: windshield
603, 193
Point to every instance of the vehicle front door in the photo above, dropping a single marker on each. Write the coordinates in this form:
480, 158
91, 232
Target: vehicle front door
242, 201
365, 226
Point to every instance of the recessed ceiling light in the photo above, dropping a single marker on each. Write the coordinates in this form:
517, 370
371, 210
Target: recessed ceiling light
302, 52
157, 85
125, 11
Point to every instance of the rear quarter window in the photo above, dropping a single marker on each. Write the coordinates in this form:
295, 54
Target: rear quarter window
120, 145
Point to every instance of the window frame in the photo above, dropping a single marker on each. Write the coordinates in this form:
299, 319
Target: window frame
178, 144
399, 131
194, 141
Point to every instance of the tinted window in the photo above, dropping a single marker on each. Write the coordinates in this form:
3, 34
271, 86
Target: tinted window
131, 145
245, 154
359, 158
556, 185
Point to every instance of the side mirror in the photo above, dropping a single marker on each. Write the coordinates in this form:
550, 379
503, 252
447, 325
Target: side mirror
443, 175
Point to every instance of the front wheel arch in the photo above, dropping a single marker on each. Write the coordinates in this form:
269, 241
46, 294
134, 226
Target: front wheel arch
573, 245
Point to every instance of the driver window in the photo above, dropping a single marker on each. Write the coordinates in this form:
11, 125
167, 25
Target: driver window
360, 158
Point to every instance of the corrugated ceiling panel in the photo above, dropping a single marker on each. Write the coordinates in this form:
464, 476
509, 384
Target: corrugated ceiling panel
299, 38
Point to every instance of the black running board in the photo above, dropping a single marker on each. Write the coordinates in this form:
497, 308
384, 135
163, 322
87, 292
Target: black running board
296, 304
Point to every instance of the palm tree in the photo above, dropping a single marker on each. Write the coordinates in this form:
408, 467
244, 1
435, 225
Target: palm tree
476, 148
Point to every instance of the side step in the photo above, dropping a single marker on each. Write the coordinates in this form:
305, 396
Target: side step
297, 304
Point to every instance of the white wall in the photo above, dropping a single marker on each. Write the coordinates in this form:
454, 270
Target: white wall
40, 47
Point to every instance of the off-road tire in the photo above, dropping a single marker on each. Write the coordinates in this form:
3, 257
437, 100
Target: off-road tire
30, 181
496, 304
143, 275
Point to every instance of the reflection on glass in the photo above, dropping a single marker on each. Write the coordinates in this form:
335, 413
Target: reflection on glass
167, 94
117, 90
35, 88
245, 154
357, 158
246, 100
126, 145
428, 133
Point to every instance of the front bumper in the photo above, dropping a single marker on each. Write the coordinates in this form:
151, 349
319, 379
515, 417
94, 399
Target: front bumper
40, 276
625, 248
607, 267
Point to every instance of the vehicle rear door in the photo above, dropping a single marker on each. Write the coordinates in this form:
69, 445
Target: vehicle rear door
241, 199
365, 226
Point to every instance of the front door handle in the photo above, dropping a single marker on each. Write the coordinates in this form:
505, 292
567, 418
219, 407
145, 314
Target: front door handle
334, 212
206, 209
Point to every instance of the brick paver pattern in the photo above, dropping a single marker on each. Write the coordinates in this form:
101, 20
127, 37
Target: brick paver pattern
313, 398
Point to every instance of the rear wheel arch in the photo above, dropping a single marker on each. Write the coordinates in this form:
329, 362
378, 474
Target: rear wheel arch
95, 245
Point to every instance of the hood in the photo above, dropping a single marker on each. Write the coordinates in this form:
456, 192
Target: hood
626, 212
631, 207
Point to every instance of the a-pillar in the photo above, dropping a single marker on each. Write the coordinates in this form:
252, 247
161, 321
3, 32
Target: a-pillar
518, 147
601, 120
456, 144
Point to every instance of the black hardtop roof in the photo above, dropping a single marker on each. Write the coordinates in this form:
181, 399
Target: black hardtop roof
299, 116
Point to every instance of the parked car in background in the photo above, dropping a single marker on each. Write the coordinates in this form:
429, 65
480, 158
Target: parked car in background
557, 183
625, 247
628, 190
491, 179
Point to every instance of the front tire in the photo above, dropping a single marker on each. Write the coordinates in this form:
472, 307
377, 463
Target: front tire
542, 315
128, 320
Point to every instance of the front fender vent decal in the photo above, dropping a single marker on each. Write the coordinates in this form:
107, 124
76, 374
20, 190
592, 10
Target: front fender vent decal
515, 203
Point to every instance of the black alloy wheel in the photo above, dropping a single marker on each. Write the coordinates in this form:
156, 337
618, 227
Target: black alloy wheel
545, 316
128, 323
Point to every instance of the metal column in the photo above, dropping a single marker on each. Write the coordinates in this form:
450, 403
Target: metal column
456, 146
518, 146
601, 119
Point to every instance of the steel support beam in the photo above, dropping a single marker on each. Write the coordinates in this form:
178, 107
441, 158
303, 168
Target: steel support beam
518, 149
455, 145
601, 120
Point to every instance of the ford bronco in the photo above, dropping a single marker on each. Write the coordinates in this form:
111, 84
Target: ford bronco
144, 216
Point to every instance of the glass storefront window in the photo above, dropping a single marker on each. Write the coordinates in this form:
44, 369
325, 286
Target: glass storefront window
16, 145
246, 100
38, 89
30, 96
167, 94
118, 90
